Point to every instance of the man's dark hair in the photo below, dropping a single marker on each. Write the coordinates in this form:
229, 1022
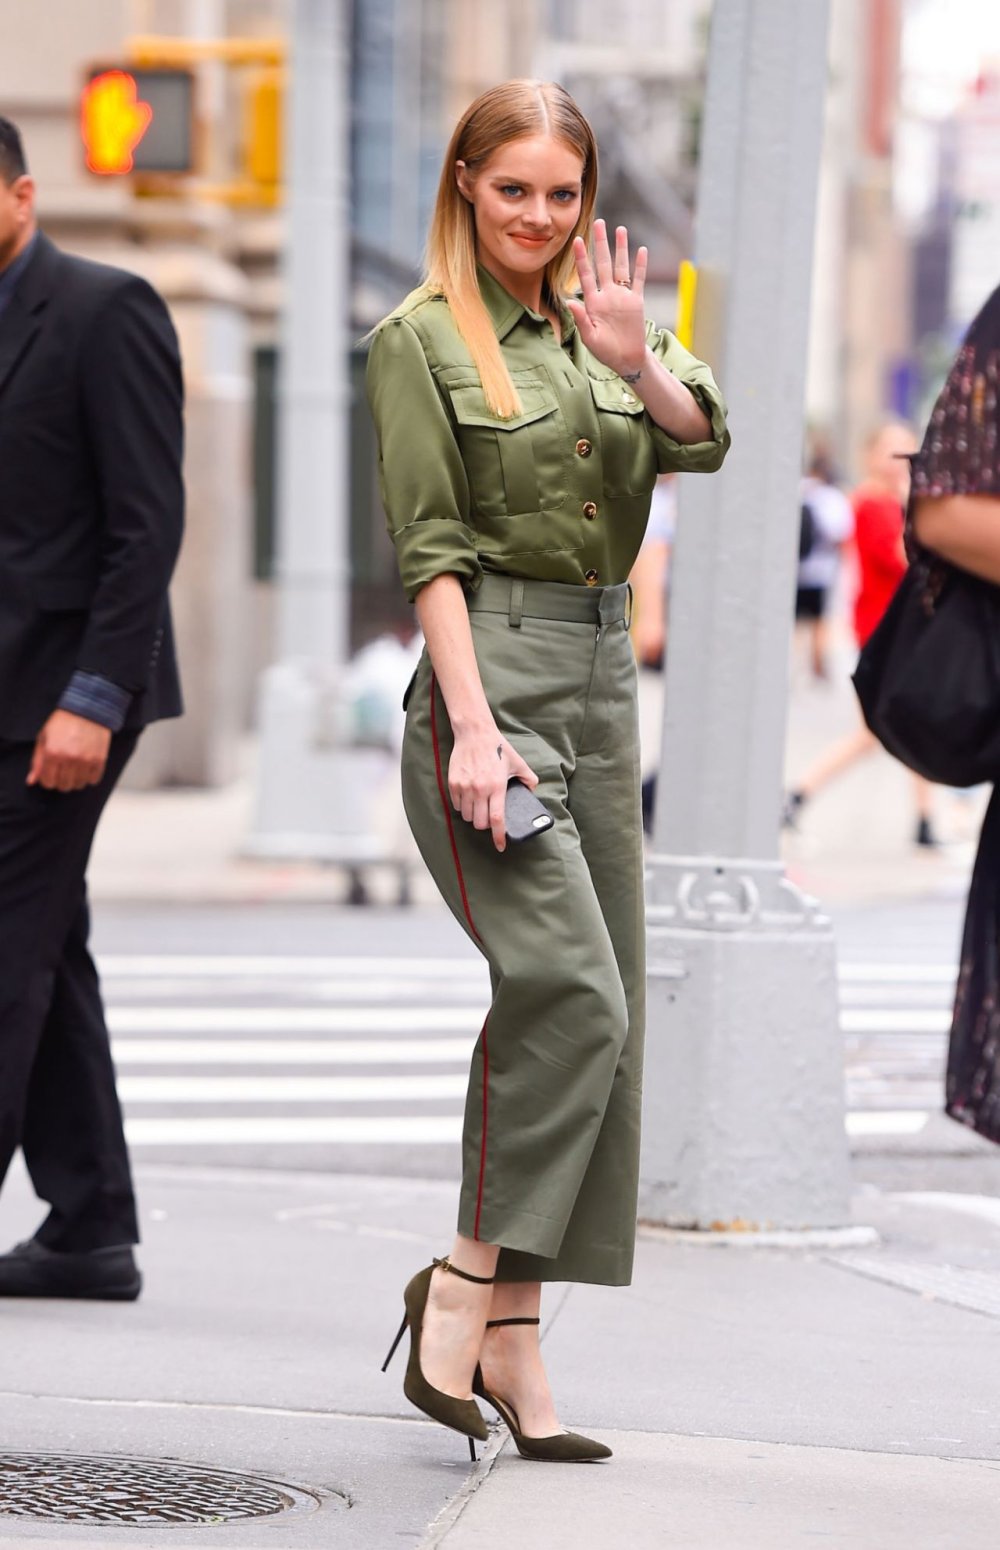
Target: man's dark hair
12, 162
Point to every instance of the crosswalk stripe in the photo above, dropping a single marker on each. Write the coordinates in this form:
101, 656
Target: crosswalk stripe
294, 1052
133, 1020
190, 1034
899, 973
281, 966
235, 1130
291, 1019
286, 1089
464, 990
403, 1130
887, 1122
895, 1020
291, 965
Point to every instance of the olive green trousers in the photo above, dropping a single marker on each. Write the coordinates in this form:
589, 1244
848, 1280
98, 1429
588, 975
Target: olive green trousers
551, 1138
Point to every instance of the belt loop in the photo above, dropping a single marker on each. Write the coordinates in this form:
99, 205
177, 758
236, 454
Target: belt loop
516, 604
629, 604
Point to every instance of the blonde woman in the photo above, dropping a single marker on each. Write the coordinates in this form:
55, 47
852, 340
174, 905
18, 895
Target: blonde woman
521, 430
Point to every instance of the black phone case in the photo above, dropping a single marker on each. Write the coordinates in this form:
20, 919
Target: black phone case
524, 815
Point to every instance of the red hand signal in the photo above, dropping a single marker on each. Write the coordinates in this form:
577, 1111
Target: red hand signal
113, 121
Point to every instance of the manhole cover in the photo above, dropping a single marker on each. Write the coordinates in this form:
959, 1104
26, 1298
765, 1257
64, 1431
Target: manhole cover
81, 1488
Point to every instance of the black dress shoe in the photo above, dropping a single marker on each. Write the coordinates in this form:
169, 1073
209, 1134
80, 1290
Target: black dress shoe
32, 1270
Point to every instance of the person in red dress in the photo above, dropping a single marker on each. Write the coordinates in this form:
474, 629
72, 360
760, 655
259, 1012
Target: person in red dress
879, 504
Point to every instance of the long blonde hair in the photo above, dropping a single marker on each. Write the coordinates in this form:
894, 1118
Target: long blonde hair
508, 112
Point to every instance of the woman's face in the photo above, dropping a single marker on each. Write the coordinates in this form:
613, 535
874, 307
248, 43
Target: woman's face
887, 466
526, 199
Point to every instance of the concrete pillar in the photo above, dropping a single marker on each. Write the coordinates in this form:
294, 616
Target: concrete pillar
211, 593
744, 1120
313, 790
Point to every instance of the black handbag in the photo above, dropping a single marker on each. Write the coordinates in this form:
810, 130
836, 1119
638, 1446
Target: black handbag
928, 678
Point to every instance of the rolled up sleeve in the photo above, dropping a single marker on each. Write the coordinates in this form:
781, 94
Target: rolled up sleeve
425, 490
702, 457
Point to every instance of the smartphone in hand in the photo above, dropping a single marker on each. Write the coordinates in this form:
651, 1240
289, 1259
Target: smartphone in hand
524, 815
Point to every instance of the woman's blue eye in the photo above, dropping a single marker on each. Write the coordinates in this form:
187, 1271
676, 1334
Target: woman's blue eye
564, 195
511, 188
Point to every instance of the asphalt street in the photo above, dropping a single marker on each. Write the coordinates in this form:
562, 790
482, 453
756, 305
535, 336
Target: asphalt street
327, 1039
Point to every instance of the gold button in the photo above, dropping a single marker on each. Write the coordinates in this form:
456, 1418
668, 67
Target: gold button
589, 510
584, 448
591, 578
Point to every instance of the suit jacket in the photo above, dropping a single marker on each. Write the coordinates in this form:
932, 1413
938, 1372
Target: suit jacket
91, 492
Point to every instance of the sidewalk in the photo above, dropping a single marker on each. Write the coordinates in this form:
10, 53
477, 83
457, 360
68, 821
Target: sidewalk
755, 1398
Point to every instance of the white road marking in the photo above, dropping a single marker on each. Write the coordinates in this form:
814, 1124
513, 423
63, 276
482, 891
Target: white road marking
985, 1207
899, 973
240, 1130
294, 1052
320, 992
886, 1122
407, 1130
281, 966
153, 1027
895, 1020
290, 1089
291, 1019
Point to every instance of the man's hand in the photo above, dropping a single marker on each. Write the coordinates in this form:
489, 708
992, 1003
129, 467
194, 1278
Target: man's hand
70, 753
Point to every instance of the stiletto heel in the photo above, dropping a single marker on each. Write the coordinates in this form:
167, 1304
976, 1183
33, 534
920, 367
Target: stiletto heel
462, 1415
395, 1343
561, 1448
472, 1450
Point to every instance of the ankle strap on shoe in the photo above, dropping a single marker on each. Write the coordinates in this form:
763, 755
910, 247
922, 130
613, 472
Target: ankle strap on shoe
446, 1264
499, 1323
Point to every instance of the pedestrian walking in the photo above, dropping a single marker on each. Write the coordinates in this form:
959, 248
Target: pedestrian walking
91, 509
826, 525
879, 503
649, 579
956, 514
521, 430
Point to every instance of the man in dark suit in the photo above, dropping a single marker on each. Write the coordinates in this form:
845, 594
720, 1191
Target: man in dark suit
91, 512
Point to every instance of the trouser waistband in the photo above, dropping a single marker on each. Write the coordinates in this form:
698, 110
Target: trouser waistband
550, 600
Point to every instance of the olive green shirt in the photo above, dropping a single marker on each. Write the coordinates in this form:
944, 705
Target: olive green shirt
560, 492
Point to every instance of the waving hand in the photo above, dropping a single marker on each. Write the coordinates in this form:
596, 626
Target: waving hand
611, 316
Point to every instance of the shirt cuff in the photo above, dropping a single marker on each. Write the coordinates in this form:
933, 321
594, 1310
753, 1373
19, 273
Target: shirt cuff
436, 546
98, 699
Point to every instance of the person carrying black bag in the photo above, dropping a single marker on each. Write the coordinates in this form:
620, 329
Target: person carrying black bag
935, 678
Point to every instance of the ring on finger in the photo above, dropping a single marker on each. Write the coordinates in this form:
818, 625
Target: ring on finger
627, 284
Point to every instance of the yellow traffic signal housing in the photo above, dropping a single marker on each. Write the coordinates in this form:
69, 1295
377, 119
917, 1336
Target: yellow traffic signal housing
138, 121
263, 107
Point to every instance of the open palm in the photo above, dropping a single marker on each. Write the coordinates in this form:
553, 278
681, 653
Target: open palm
611, 317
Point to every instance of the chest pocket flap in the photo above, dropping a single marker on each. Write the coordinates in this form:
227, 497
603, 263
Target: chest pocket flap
471, 408
611, 393
510, 473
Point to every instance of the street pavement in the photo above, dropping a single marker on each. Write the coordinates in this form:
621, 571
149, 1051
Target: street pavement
282, 1053
292, 1073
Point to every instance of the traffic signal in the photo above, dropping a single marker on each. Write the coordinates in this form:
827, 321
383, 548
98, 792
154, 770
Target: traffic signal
263, 107
138, 121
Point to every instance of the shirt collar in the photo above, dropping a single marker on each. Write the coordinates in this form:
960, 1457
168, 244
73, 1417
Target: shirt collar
506, 311
10, 276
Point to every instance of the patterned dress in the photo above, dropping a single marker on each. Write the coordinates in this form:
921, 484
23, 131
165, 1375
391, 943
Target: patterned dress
959, 456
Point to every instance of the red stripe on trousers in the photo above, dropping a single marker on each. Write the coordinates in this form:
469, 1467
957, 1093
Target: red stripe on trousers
486, 1115
472, 927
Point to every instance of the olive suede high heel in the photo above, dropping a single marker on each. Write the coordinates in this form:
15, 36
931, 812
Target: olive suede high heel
462, 1415
561, 1447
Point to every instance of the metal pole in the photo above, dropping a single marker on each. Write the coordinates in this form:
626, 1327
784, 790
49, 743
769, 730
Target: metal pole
312, 570
744, 1118
313, 791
